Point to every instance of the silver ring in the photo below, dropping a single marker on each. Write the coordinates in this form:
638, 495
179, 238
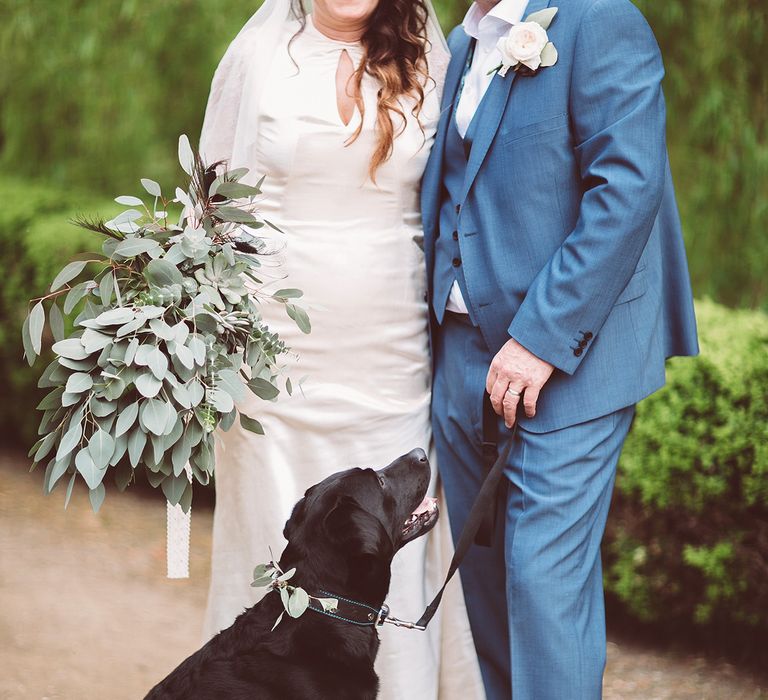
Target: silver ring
513, 392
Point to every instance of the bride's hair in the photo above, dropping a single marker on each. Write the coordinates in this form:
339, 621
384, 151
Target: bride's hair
395, 46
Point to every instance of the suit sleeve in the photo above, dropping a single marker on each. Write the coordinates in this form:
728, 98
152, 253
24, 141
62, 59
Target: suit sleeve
618, 120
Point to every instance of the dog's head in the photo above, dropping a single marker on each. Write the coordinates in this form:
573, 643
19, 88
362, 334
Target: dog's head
357, 519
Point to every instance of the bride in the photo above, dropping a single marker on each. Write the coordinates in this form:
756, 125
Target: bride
339, 109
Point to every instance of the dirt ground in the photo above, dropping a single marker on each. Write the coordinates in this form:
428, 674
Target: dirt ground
87, 614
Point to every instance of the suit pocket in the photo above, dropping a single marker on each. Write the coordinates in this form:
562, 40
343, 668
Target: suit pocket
528, 131
636, 287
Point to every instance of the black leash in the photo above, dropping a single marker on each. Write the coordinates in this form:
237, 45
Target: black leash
482, 517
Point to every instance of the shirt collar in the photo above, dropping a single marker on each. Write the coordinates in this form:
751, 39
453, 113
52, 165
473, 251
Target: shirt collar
492, 25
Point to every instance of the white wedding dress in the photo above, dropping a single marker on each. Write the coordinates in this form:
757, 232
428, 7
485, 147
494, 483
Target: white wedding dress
365, 395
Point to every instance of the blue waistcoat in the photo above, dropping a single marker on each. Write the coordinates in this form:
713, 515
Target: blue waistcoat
448, 265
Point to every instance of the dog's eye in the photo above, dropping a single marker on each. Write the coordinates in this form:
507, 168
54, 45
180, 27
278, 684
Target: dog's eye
381, 481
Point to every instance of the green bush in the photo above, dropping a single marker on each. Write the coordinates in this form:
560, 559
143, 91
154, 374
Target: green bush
36, 241
688, 534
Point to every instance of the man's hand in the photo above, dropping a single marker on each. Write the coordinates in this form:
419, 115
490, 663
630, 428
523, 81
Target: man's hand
516, 372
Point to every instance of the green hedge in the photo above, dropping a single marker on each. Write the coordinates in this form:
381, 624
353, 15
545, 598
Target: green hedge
688, 532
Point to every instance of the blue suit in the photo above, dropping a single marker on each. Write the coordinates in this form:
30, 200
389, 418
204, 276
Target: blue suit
566, 237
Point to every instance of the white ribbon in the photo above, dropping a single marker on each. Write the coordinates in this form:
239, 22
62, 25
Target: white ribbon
178, 528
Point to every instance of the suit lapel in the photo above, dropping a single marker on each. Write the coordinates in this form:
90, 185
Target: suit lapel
434, 170
496, 99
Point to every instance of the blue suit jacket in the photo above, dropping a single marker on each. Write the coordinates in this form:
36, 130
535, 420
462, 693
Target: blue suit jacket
569, 232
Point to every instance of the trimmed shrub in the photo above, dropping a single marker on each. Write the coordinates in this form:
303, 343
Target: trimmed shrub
687, 539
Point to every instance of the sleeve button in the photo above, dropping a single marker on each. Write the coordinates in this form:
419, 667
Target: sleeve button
578, 352
588, 335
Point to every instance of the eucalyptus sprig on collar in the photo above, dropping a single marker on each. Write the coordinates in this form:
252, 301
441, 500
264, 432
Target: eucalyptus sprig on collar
526, 48
294, 598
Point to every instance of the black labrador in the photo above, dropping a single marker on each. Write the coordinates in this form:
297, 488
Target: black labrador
342, 537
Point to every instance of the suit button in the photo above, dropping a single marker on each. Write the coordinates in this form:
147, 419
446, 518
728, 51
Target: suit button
458, 208
583, 343
456, 262
455, 235
588, 335
578, 352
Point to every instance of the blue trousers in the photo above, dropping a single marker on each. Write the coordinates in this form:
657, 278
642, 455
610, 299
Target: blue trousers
535, 598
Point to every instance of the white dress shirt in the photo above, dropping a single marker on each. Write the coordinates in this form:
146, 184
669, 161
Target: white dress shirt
487, 29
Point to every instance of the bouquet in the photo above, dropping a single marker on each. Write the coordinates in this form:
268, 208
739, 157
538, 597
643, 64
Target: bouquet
167, 337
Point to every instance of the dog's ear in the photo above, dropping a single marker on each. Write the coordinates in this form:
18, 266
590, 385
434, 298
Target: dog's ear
350, 524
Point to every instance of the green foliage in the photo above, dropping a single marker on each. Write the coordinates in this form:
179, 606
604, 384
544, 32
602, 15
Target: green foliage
717, 94
688, 534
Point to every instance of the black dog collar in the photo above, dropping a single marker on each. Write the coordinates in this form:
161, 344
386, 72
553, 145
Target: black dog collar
347, 610
357, 613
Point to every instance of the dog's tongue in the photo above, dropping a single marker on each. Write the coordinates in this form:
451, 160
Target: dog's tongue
426, 505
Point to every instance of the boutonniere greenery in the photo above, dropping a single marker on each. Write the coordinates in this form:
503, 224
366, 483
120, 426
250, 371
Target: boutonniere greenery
526, 48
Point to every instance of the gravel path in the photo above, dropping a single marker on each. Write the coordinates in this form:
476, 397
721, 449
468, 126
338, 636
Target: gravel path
88, 615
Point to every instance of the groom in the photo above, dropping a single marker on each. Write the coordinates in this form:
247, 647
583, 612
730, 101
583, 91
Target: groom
559, 284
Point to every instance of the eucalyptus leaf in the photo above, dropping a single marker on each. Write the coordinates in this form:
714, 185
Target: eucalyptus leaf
121, 447
542, 17
153, 415
127, 418
36, 325
298, 602
174, 487
88, 469
148, 385
300, 317
186, 156
56, 321
152, 187
161, 273
221, 400
115, 317
79, 382
96, 497
106, 288
70, 486
26, 339
68, 273
129, 201
137, 440
123, 476
101, 408
263, 389
251, 424
70, 440
75, 295
58, 470
101, 447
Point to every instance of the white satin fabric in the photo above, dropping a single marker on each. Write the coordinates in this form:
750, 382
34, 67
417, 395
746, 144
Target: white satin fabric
349, 245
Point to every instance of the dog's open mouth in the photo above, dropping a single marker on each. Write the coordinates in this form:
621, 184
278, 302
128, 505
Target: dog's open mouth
421, 520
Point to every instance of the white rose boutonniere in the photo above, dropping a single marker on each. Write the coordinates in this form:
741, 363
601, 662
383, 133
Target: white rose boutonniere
526, 47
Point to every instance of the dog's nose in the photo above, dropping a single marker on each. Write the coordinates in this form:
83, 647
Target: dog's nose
418, 455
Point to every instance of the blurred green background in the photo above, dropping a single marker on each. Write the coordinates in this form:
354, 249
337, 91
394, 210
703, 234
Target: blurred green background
93, 95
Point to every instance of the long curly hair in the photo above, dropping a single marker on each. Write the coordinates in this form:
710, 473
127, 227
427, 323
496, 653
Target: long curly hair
395, 46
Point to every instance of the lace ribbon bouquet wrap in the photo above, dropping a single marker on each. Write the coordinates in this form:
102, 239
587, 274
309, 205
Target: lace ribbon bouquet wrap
157, 336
